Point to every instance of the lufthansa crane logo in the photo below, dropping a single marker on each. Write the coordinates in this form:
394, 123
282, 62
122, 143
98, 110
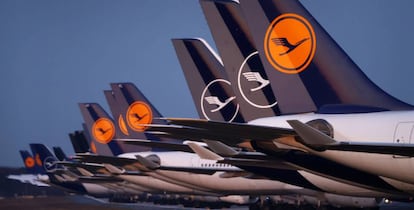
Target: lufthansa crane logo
29, 162
103, 130
213, 102
253, 82
138, 115
290, 43
50, 163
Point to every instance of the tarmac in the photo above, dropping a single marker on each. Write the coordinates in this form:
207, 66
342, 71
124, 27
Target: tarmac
77, 202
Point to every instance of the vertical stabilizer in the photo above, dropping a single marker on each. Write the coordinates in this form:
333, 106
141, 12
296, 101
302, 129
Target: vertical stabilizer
307, 69
212, 93
122, 130
137, 111
101, 129
240, 58
79, 142
29, 162
60, 154
44, 157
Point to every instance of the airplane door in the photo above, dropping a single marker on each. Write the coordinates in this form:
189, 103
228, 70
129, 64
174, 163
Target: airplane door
404, 133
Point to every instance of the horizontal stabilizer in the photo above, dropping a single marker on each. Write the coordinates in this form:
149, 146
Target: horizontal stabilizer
204, 153
84, 172
157, 144
113, 169
87, 166
230, 133
59, 178
220, 148
117, 161
69, 178
226, 127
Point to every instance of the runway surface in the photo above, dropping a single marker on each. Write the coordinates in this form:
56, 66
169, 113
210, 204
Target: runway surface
86, 203
81, 203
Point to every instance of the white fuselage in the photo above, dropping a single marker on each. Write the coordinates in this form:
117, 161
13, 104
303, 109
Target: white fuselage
379, 127
240, 185
159, 186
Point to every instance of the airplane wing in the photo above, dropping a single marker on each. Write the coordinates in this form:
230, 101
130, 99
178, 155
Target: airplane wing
231, 133
88, 166
246, 131
157, 144
90, 158
127, 163
310, 138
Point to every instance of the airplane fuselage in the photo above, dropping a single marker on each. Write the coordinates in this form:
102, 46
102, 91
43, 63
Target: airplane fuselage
377, 127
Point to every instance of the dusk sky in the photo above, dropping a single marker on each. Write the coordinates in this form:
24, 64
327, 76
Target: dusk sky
55, 54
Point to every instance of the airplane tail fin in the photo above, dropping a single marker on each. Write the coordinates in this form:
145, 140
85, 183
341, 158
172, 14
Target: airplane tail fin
122, 130
44, 158
137, 111
212, 92
308, 70
89, 140
79, 141
60, 154
101, 129
240, 58
29, 162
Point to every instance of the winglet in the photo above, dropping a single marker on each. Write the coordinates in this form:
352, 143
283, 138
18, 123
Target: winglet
113, 169
147, 163
204, 153
311, 137
221, 148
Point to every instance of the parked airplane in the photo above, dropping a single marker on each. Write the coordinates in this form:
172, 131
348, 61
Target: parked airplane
127, 167
389, 120
202, 181
93, 114
341, 115
32, 169
169, 159
62, 179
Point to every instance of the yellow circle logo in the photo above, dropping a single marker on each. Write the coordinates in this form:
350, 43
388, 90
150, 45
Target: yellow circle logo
103, 130
138, 114
290, 43
29, 162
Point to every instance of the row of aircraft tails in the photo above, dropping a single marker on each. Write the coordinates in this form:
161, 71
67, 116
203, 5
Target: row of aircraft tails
286, 119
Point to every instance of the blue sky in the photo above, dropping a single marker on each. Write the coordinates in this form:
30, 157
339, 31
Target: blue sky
57, 53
